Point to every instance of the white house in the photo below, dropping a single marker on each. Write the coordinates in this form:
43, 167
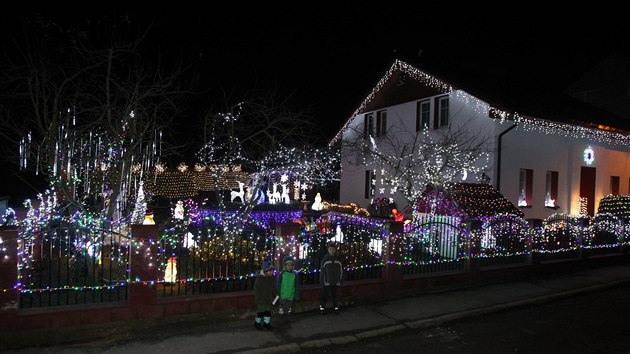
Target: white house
560, 157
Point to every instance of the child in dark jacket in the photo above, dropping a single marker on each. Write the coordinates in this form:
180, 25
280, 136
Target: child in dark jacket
330, 275
264, 292
288, 286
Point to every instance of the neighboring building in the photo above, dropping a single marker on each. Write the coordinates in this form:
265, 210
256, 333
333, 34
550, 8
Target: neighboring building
4, 203
547, 155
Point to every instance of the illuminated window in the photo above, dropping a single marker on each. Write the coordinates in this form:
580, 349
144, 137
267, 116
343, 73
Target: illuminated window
368, 125
423, 114
370, 183
551, 189
381, 123
525, 184
614, 185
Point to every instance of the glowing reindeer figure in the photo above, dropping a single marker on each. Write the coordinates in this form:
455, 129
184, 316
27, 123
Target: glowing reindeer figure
239, 194
285, 195
274, 198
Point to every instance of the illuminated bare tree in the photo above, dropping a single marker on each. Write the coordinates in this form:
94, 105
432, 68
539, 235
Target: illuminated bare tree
87, 110
409, 162
264, 137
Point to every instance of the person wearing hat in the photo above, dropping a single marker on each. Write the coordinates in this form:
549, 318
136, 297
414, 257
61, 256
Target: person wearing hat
330, 274
288, 286
264, 292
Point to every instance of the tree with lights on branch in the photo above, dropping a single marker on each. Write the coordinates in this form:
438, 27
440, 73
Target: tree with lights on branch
408, 162
265, 138
87, 117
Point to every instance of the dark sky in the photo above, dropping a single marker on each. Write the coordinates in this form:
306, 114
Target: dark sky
328, 57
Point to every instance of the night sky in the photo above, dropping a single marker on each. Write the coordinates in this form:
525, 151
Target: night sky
328, 58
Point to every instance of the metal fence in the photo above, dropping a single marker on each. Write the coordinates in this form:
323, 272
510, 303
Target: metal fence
504, 240
67, 264
434, 243
203, 260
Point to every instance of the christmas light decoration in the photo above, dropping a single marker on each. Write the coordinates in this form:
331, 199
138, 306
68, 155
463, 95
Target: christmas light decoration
583, 203
170, 273
182, 167
317, 205
179, 210
148, 218
8, 218
589, 155
617, 205
398, 216
140, 209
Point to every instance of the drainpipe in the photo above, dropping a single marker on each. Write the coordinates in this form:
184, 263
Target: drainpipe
499, 156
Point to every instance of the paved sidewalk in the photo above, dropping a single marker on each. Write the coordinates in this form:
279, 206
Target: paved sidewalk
310, 329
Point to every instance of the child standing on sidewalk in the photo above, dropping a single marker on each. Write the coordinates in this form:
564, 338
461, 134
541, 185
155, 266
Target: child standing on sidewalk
330, 275
288, 286
264, 292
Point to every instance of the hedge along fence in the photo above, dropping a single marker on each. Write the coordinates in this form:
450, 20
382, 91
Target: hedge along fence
199, 260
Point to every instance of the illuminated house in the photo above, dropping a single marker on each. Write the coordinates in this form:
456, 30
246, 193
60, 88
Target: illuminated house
550, 155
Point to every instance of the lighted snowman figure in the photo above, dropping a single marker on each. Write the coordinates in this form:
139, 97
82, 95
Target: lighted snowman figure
179, 210
318, 202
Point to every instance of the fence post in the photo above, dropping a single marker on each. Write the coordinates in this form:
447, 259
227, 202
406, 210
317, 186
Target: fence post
143, 265
535, 226
582, 223
9, 294
393, 271
473, 246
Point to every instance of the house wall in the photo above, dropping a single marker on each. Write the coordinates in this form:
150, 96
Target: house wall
550, 152
465, 112
520, 148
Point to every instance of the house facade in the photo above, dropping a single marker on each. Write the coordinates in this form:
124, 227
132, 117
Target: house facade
545, 163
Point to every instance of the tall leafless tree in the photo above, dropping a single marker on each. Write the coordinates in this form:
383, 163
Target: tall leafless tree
87, 111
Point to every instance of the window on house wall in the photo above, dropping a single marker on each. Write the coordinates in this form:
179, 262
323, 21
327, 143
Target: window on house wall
614, 185
551, 189
370, 183
368, 125
525, 183
423, 114
381, 123
441, 112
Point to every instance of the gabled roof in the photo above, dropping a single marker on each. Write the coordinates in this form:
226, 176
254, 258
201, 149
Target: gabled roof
520, 104
469, 200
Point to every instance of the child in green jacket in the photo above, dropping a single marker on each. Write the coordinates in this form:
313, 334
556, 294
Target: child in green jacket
288, 286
